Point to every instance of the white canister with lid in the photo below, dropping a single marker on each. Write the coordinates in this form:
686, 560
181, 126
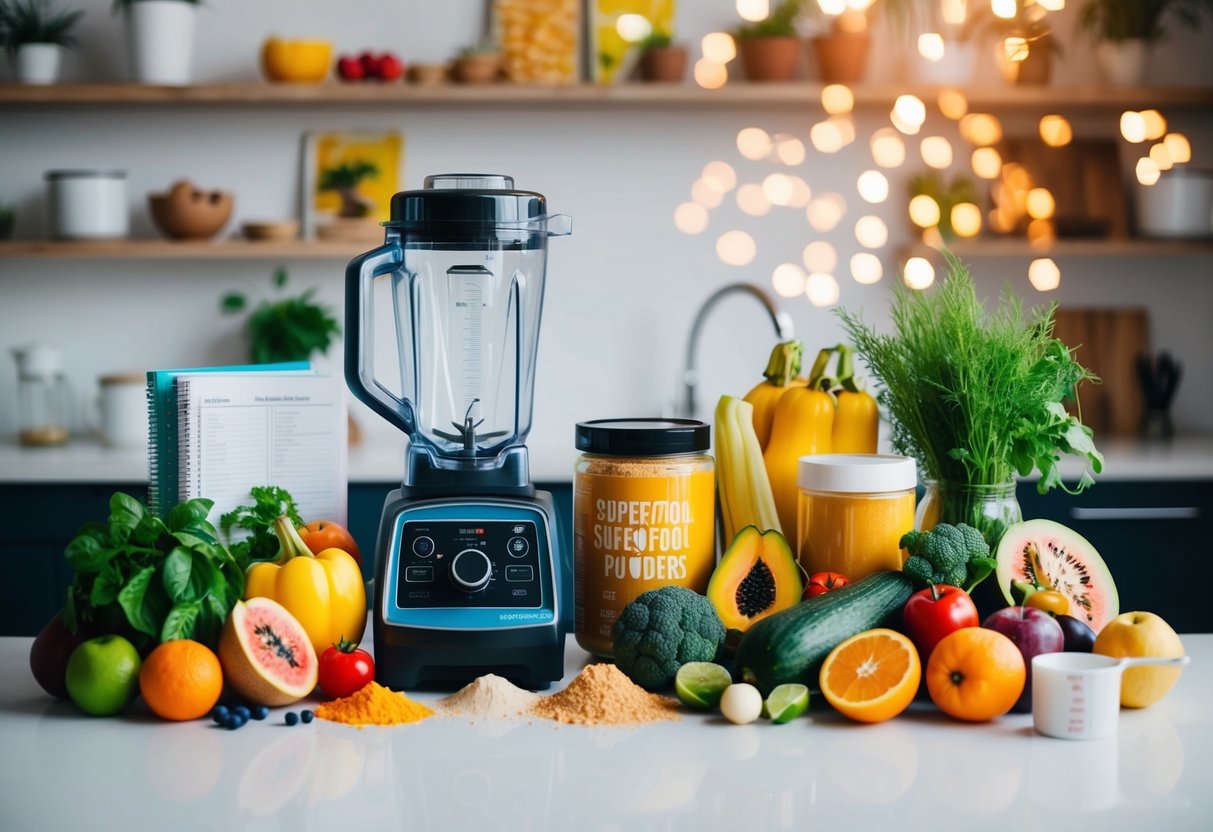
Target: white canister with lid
1179, 204
123, 410
88, 204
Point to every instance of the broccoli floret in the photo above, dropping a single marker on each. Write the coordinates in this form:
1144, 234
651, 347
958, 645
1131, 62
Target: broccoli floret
661, 631
947, 555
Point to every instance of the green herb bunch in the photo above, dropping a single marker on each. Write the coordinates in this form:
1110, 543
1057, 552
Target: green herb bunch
35, 21
780, 23
347, 175
269, 503
291, 329
976, 396
657, 39
151, 579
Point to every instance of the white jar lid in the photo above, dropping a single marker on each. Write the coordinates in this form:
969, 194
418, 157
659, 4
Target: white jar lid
857, 473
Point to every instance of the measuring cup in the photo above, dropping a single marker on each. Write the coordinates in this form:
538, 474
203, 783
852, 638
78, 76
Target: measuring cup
1076, 696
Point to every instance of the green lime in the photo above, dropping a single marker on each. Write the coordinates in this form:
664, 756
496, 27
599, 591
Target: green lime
786, 703
701, 684
102, 675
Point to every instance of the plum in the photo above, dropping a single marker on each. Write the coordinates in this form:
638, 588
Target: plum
1079, 638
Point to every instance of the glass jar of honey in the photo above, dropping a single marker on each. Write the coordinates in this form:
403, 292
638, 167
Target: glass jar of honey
852, 511
643, 517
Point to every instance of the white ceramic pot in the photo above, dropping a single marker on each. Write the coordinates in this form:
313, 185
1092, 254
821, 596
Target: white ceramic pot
957, 66
160, 36
1123, 64
88, 204
38, 63
123, 410
1179, 204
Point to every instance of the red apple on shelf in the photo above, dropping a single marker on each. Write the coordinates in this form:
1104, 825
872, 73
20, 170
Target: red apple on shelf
370, 65
1034, 632
391, 68
350, 68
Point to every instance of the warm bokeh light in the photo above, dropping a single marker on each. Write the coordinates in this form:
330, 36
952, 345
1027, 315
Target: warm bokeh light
1132, 126
832, 7
777, 187
930, 46
633, 27
1051, 5
1178, 148
924, 211
873, 187
866, 268
871, 232
953, 12
753, 11
822, 289
837, 99
1055, 131
736, 248
820, 256
1006, 9
919, 273
789, 149
691, 218
720, 175
1161, 157
953, 104
936, 152
1015, 49
1041, 234
718, 47
706, 194
788, 280
1147, 171
751, 200
1156, 125
981, 129
802, 194
753, 143
908, 114
1040, 204
826, 211
1044, 274
888, 150
932, 237
966, 219
1017, 176
826, 137
710, 75
986, 162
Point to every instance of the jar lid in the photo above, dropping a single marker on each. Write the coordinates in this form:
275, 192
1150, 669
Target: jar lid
122, 378
857, 473
52, 175
643, 437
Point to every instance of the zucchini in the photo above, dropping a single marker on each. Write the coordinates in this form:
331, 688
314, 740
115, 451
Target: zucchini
790, 646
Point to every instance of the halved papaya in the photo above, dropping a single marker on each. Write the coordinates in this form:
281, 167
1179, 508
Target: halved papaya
758, 576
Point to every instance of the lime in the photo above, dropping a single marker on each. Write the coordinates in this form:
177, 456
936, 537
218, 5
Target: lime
786, 703
700, 684
102, 675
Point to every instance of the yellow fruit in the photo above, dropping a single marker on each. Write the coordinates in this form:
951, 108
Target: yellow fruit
872, 676
1141, 634
300, 61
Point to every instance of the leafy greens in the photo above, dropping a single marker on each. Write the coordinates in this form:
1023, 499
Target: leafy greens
269, 503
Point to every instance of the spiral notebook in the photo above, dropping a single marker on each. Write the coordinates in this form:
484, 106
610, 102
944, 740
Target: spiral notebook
217, 432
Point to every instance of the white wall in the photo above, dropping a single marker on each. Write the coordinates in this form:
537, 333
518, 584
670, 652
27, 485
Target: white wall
622, 290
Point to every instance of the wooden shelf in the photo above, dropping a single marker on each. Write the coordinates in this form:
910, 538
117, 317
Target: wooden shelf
234, 249
1019, 247
1046, 98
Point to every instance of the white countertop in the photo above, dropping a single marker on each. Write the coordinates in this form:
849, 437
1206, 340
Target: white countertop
381, 460
61, 770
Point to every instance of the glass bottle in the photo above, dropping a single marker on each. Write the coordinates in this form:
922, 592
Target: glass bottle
43, 397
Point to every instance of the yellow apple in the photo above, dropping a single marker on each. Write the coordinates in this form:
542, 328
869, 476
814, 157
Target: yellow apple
1139, 634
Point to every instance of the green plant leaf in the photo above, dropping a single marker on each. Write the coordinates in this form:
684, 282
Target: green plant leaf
87, 553
125, 515
106, 586
139, 604
280, 277
189, 513
181, 621
233, 302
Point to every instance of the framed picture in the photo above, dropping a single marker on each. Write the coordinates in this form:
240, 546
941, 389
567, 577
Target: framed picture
348, 182
612, 56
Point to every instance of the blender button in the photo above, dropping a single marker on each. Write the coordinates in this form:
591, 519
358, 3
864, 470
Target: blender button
423, 547
518, 546
418, 574
519, 574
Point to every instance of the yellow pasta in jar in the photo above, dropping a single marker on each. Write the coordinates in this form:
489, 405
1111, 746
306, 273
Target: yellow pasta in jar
538, 39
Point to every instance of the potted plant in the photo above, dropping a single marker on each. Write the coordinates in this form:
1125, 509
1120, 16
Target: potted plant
842, 51
1026, 46
160, 37
662, 60
352, 223
34, 34
1124, 31
477, 64
770, 48
289, 329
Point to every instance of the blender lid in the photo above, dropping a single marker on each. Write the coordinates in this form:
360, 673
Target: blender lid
471, 203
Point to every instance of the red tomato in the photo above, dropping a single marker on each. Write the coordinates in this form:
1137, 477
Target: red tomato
325, 534
345, 668
822, 582
936, 612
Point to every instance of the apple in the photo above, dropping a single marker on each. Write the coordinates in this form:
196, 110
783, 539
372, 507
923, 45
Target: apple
49, 654
391, 68
102, 675
1034, 632
1141, 634
1079, 637
370, 65
350, 68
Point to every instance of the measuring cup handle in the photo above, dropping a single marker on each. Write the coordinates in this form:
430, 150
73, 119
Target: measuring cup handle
360, 334
1176, 661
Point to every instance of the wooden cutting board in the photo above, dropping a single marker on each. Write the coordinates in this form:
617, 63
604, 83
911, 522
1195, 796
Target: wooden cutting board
1107, 342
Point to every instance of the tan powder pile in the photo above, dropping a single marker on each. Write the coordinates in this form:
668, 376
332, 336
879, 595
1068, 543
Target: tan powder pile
488, 697
374, 705
602, 695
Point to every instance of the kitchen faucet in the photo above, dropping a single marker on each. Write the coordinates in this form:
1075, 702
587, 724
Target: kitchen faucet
690, 375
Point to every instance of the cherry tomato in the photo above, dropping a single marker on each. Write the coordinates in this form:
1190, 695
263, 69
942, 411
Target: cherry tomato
1049, 600
936, 612
345, 668
325, 534
822, 582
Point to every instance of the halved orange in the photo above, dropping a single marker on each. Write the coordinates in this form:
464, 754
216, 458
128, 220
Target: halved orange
872, 676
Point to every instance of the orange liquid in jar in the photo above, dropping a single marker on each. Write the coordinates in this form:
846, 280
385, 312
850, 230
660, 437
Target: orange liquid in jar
854, 534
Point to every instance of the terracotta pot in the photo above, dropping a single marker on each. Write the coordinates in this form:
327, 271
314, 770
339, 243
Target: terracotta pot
842, 58
769, 59
667, 64
1033, 70
477, 69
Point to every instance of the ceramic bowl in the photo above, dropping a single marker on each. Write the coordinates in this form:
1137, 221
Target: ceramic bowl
189, 213
271, 230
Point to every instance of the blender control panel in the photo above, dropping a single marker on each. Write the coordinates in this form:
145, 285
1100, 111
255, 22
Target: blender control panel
475, 563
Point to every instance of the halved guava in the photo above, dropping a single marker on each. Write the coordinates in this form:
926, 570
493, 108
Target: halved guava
266, 654
1053, 556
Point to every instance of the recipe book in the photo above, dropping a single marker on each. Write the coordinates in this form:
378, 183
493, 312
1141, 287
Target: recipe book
216, 432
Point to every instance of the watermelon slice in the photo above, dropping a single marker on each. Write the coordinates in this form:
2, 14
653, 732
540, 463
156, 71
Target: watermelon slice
1053, 556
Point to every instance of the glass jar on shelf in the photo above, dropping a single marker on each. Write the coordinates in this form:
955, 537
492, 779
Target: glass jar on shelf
43, 396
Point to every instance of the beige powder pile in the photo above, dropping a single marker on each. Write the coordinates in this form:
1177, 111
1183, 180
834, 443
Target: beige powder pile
488, 697
602, 695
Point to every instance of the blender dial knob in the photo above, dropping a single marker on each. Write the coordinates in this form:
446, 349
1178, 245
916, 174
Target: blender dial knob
471, 570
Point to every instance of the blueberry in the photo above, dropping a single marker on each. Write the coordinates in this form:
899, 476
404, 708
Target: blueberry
261, 712
219, 714
291, 718
231, 722
243, 711
306, 716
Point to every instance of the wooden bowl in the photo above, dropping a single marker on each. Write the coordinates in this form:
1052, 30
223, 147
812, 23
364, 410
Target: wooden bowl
275, 230
477, 69
189, 213
427, 75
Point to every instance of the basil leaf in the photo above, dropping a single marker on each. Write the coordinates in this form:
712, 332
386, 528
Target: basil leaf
189, 513
138, 604
86, 553
125, 514
181, 621
70, 619
149, 530
106, 586
194, 539
178, 569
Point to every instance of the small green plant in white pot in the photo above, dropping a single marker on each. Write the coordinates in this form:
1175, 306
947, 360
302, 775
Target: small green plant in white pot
34, 34
160, 37
1125, 30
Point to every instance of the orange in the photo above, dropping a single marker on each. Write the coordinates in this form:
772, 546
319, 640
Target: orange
298, 61
975, 674
181, 680
872, 676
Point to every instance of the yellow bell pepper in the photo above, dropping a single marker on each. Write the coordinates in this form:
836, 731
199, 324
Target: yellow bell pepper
780, 378
857, 420
324, 591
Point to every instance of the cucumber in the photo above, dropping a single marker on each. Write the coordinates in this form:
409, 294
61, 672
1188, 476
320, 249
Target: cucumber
790, 646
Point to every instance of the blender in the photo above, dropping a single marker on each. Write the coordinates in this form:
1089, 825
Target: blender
470, 576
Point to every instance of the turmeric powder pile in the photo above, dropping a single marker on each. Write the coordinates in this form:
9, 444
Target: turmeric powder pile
374, 705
